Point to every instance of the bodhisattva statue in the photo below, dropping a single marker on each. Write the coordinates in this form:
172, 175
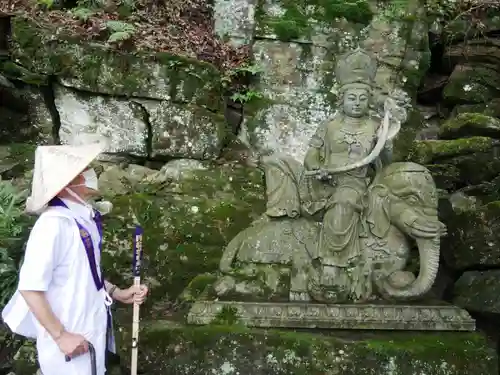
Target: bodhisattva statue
340, 227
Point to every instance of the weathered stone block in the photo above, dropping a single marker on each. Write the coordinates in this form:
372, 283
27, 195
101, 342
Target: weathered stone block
235, 19
96, 68
316, 22
491, 108
478, 291
295, 74
473, 236
119, 121
472, 84
470, 124
282, 128
24, 115
185, 131
425, 152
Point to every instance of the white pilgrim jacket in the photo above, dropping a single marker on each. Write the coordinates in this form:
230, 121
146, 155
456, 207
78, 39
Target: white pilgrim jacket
56, 263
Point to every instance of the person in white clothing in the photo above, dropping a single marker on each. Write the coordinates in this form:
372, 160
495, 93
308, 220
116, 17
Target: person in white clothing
62, 299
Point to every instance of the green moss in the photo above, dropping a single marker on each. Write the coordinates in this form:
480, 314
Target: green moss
17, 72
187, 224
299, 17
425, 152
472, 84
470, 124
227, 316
446, 176
197, 287
235, 349
406, 136
491, 108
95, 67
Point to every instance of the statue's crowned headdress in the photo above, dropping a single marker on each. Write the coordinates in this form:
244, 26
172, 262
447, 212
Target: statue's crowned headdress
356, 68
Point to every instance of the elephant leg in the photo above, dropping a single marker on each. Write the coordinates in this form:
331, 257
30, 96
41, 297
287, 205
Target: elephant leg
301, 270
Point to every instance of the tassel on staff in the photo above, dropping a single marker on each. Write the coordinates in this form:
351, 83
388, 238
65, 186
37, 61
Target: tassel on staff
136, 271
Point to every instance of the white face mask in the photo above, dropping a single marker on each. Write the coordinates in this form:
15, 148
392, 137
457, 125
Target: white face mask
91, 180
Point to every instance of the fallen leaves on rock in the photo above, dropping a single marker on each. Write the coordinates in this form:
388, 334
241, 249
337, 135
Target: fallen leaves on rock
181, 27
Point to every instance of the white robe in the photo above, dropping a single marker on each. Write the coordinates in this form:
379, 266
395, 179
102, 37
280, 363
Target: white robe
56, 263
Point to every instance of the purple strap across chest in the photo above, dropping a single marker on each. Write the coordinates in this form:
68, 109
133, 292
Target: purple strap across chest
87, 242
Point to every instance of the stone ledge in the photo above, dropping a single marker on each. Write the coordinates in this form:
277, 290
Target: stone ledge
170, 348
357, 317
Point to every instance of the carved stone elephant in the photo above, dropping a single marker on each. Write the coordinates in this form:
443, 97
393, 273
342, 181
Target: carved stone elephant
401, 210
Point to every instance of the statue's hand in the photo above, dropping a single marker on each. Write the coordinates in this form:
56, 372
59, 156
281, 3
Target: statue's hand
310, 165
323, 175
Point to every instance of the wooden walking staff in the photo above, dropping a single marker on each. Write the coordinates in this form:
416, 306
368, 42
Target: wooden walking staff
136, 270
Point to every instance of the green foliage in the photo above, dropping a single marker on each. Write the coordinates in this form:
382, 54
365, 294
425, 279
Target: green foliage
14, 225
120, 31
91, 4
300, 16
237, 80
83, 14
246, 96
45, 3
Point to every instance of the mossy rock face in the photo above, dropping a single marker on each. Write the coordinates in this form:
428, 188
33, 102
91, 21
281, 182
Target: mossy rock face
187, 223
231, 350
425, 152
24, 116
299, 20
478, 291
96, 68
16, 355
465, 170
472, 84
407, 134
16, 159
473, 236
470, 124
491, 108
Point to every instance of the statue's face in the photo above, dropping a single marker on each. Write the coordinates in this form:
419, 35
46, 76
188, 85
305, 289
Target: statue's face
356, 102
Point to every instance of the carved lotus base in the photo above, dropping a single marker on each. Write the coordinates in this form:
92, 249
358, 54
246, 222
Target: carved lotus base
360, 317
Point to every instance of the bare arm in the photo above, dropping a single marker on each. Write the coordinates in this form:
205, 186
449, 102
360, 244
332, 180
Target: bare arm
40, 307
110, 288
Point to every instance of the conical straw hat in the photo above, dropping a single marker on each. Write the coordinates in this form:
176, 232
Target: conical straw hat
55, 168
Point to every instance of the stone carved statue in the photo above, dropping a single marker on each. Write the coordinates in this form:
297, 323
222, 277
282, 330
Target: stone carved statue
340, 227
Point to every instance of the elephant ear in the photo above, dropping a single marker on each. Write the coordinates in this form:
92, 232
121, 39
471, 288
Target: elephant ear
377, 215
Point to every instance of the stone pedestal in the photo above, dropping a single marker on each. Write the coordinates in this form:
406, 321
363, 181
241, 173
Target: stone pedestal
430, 317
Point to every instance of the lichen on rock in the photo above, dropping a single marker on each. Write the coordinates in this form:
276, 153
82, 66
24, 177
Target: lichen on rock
95, 68
187, 223
470, 124
231, 350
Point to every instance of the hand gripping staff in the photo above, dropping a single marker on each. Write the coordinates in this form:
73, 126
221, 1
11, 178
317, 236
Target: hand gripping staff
136, 271
93, 365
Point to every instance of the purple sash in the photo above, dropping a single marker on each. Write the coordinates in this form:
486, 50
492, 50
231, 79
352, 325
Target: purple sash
89, 249
87, 242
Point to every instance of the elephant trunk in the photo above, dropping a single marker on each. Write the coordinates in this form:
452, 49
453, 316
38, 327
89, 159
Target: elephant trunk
429, 264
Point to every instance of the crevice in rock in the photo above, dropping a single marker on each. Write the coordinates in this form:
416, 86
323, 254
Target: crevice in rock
120, 97
50, 101
299, 42
5, 32
435, 79
149, 128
